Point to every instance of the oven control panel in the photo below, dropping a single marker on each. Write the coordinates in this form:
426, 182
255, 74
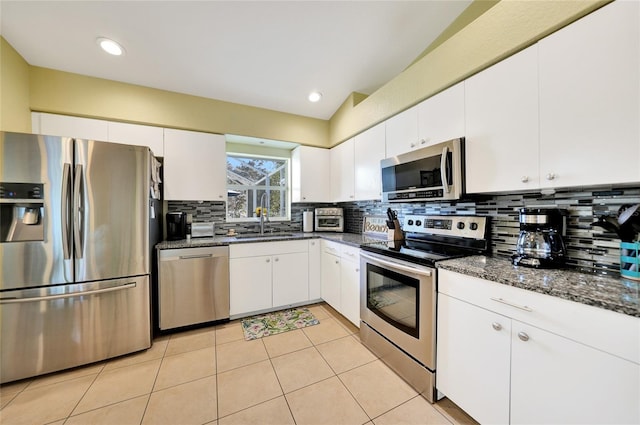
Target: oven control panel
448, 225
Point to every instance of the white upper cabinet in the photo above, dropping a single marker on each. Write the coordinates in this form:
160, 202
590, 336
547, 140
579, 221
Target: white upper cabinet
342, 172
501, 114
369, 150
310, 174
402, 132
68, 126
441, 117
135, 134
195, 166
590, 99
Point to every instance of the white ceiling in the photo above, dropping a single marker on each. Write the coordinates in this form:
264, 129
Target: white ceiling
268, 54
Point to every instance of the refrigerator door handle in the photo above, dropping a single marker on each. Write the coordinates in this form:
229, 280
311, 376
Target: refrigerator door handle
78, 211
64, 216
71, 295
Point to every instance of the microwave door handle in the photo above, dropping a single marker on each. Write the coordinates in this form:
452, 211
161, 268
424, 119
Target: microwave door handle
443, 169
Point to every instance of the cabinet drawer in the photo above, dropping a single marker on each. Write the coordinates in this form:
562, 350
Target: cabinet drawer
267, 248
349, 253
612, 332
331, 247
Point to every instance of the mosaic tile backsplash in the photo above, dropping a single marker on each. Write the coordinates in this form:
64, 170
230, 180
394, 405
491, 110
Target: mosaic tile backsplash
589, 249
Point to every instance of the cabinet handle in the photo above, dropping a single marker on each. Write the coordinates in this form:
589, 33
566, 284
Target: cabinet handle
275, 259
313, 244
337, 262
304, 198
524, 179
357, 270
423, 141
497, 326
551, 176
268, 260
502, 301
523, 336
413, 145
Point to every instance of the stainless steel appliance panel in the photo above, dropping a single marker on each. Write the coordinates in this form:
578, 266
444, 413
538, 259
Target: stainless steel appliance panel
398, 299
27, 158
193, 286
58, 327
111, 210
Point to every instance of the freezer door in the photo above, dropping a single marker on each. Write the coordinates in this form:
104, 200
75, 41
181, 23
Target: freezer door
48, 329
46, 161
111, 210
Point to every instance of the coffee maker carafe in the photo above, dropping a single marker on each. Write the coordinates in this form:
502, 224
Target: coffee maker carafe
540, 242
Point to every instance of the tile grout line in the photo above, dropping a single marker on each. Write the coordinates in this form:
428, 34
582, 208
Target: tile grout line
146, 406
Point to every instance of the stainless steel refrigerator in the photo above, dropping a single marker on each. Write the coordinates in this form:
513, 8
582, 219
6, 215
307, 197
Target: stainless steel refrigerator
74, 252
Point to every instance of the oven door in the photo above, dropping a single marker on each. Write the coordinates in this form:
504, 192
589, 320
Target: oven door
398, 300
331, 223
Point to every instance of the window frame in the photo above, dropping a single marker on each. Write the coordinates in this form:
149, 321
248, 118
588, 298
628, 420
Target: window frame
286, 190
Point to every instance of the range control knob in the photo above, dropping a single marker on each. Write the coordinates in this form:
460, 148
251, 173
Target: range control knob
410, 222
460, 225
418, 223
474, 226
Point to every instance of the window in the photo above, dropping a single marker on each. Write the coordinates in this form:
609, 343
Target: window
251, 176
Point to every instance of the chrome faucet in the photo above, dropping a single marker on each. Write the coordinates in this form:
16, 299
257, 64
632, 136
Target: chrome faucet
262, 213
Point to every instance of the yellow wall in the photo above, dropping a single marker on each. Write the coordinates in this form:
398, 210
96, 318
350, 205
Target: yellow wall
505, 28
72, 94
14, 90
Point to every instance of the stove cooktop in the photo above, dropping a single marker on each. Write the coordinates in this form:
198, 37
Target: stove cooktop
435, 238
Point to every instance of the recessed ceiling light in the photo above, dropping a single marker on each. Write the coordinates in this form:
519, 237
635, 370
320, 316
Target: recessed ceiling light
110, 46
315, 96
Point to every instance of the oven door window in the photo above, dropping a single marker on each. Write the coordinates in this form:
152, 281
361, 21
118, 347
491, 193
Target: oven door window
394, 298
329, 222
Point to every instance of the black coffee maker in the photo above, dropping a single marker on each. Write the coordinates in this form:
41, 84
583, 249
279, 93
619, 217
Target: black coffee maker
540, 242
176, 225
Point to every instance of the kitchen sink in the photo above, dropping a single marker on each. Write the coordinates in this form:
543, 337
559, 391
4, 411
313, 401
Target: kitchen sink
263, 236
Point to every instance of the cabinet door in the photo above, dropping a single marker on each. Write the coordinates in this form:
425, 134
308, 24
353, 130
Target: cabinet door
402, 132
330, 280
473, 357
135, 134
310, 174
342, 172
194, 166
590, 99
76, 127
557, 380
290, 278
369, 150
441, 117
315, 265
250, 284
502, 125
350, 290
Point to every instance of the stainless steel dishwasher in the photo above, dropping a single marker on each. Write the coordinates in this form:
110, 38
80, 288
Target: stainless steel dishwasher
193, 286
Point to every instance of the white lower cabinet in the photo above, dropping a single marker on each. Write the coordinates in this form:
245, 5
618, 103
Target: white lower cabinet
499, 363
340, 279
267, 275
315, 267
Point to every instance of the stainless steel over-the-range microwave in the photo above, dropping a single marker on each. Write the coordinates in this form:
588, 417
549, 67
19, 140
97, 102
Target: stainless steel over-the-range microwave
432, 173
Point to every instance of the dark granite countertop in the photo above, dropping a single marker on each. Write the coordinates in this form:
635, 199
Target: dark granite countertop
616, 294
352, 239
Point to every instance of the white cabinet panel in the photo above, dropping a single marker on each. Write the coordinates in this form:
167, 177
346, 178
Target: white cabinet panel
402, 132
342, 172
369, 150
310, 174
350, 290
502, 125
590, 99
441, 117
194, 166
473, 358
136, 134
290, 278
250, 284
330, 279
556, 380
68, 126
315, 267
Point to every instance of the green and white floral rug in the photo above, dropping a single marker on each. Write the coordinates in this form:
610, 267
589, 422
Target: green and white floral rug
277, 322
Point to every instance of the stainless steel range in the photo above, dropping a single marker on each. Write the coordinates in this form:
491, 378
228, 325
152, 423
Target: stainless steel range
399, 292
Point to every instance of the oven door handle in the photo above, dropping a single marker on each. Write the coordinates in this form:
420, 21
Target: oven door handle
396, 265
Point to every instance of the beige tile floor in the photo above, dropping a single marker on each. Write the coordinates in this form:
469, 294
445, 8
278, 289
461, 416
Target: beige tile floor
316, 375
